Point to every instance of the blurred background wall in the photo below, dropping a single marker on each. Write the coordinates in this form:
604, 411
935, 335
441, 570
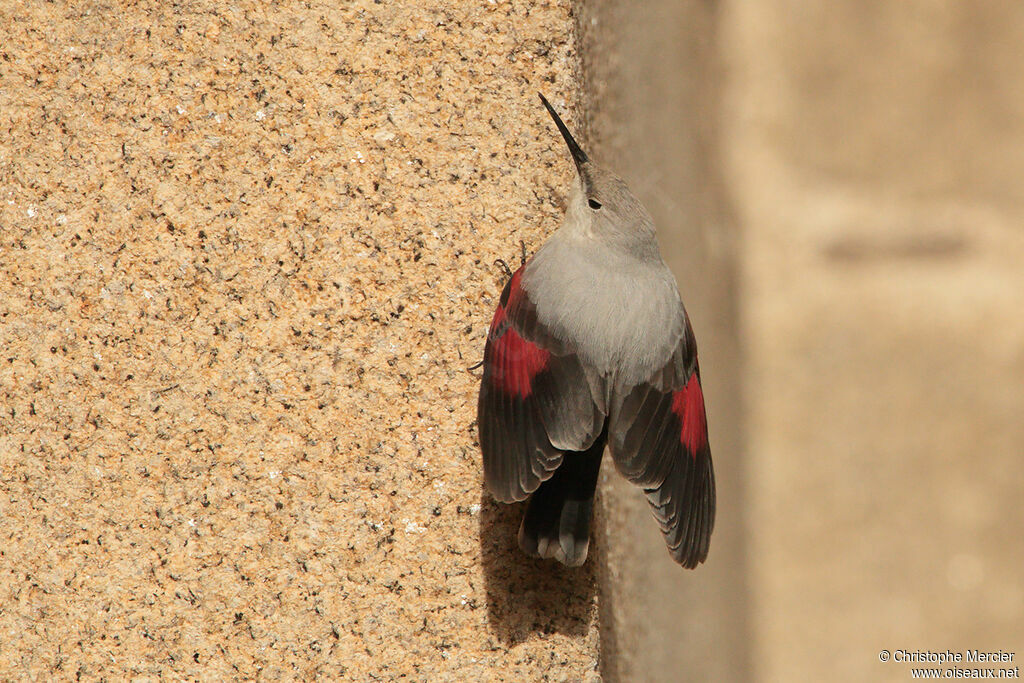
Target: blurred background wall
838, 187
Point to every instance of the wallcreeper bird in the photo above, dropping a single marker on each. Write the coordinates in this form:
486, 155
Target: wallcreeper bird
591, 347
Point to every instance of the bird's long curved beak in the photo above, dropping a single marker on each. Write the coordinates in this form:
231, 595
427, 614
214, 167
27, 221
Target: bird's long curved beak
578, 155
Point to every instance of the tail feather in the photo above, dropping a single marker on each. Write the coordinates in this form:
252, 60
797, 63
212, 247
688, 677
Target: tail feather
557, 520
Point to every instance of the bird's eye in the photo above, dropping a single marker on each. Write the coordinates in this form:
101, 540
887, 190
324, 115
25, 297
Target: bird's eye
594, 204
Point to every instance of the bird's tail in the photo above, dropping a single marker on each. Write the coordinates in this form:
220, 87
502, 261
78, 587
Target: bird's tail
557, 520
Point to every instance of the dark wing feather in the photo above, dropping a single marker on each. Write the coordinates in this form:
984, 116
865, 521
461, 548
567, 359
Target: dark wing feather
535, 400
659, 440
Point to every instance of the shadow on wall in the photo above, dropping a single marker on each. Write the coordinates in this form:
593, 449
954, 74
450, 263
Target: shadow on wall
526, 594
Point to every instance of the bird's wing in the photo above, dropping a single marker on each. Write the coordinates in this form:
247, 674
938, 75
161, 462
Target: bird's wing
659, 441
536, 400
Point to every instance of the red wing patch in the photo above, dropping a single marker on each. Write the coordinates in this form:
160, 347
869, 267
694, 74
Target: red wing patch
688, 405
533, 392
658, 436
513, 362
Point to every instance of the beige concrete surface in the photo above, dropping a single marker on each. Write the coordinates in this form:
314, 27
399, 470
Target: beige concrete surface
875, 151
246, 256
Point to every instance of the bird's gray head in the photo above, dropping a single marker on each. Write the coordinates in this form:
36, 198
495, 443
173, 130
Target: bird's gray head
600, 203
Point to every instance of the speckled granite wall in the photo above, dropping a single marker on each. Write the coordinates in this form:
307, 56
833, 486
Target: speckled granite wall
246, 256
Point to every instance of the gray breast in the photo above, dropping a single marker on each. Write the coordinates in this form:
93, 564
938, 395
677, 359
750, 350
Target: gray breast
623, 316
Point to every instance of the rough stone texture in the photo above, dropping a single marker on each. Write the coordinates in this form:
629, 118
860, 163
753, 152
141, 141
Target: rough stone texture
246, 256
875, 152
